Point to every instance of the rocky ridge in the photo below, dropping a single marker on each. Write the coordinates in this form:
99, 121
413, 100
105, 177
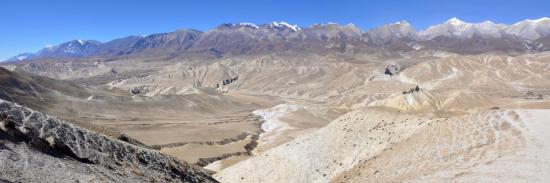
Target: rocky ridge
454, 35
31, 141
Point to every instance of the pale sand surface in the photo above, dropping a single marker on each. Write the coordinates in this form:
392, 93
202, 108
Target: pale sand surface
317, 111
360, 147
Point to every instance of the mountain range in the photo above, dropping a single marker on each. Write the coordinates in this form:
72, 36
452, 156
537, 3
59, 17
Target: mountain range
453, 35
276, 102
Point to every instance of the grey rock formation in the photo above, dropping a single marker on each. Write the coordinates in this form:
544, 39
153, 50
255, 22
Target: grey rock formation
392, 70
135, 91
392, 33
412, 90
120, 46
333, 36
74, 48
477, 44
163, 43
38, 148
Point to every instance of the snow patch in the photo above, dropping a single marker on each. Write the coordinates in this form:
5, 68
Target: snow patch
251, 25
21, 57
536, 21
282, 24
402, 22
455, 21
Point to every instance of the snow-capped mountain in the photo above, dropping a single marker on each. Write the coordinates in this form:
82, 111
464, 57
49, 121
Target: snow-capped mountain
527, 29
237, 26
251, 25
280, 26
75, 48
21, 57
530, 29
454, 35
247, 38
391, 33
283, 26
455, 27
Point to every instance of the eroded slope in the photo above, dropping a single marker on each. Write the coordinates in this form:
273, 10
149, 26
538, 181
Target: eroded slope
32, 142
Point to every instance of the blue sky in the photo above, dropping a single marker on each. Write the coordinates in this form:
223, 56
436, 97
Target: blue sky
29, 25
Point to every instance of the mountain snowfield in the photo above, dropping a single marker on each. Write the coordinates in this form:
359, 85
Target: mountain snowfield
281, 35
530, 29
459, 28
527, 29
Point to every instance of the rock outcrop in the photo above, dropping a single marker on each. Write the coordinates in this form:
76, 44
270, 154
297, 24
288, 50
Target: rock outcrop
392, 70
412, 90
35, 147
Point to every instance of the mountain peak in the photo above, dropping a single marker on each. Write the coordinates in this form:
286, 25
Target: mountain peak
387, 34
402, 22
393, 32
331, 26
82, 42
251, 25
488, 22
20, 57
238, 25
539, 20
455, 21
455, 27
531, 29
533, 22
282, 24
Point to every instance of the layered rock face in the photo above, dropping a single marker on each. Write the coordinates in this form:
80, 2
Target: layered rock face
35, 147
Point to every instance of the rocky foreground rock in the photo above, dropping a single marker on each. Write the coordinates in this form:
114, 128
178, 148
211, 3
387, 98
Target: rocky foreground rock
35, 147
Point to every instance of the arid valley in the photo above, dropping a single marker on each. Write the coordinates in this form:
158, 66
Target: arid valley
457, 102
